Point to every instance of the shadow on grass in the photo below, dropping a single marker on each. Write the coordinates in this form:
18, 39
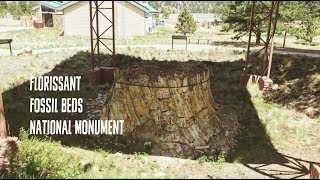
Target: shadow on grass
298, 80
293, 168
253, 147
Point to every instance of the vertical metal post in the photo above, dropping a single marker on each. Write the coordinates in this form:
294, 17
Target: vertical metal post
113, 32
172, 43
267, 42
274, 24
10, 48
97, 30
91, 36
186, 44
249, 41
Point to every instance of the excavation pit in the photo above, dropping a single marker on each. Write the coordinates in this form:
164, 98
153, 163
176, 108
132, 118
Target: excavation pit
167, 106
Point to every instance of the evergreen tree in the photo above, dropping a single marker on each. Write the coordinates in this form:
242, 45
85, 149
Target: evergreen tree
186, 24
165, 14
237, 18
218, 8
17, 9
300, 19
3, 8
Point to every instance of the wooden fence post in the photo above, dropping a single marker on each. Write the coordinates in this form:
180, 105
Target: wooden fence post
284, 39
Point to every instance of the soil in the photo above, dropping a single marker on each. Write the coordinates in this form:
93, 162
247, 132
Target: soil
132, 68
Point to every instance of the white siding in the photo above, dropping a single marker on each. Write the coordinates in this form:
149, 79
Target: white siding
76, 19
129, 20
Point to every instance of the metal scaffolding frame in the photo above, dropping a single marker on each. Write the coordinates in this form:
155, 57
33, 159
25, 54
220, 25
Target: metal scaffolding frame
98, 15
272, 13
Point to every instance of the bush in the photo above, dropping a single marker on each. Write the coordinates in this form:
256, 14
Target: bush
186, 23
42, 159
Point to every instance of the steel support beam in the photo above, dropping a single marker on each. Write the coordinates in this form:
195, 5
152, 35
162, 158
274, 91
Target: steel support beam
269, 13
101, 30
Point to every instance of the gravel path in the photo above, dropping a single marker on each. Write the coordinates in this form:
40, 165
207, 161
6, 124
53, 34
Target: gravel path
12, 28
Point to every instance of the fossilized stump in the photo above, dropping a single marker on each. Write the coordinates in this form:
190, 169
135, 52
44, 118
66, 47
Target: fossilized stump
169, 106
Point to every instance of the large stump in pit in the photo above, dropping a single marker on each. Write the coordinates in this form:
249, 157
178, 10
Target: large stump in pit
167, 104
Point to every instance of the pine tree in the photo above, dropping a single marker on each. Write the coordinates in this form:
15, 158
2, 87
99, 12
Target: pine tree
237, 18
3, 8
186, 24
166, 14
300, 19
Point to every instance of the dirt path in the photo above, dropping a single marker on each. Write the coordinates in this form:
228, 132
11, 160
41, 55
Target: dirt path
12, 28
169, 167
191, 47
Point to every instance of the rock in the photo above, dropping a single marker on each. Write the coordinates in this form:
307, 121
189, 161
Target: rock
86, 165
211, 158
171, 128
147, 144
160, 174
118, 154
96, 168
202, 147
27, 50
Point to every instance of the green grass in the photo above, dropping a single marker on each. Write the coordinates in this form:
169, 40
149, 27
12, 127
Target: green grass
47, 38
42, 159
75, 65
44, 38
17, 69
267, 125
284, 126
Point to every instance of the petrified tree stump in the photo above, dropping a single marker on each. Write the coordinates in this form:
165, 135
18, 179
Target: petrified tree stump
169, 105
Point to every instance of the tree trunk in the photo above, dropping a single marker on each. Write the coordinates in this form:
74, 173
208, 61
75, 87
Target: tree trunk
175, 114
258, 36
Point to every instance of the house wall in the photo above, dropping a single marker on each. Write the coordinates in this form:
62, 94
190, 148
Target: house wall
76, 19
57, 20
38, 16
129, 20
57, 17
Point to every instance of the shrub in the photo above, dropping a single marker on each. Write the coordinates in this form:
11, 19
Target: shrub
42, 159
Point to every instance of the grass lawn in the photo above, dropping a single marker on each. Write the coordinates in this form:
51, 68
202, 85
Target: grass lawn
47, 38
270, 125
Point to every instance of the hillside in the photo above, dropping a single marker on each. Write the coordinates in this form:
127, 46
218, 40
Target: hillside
176, 6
